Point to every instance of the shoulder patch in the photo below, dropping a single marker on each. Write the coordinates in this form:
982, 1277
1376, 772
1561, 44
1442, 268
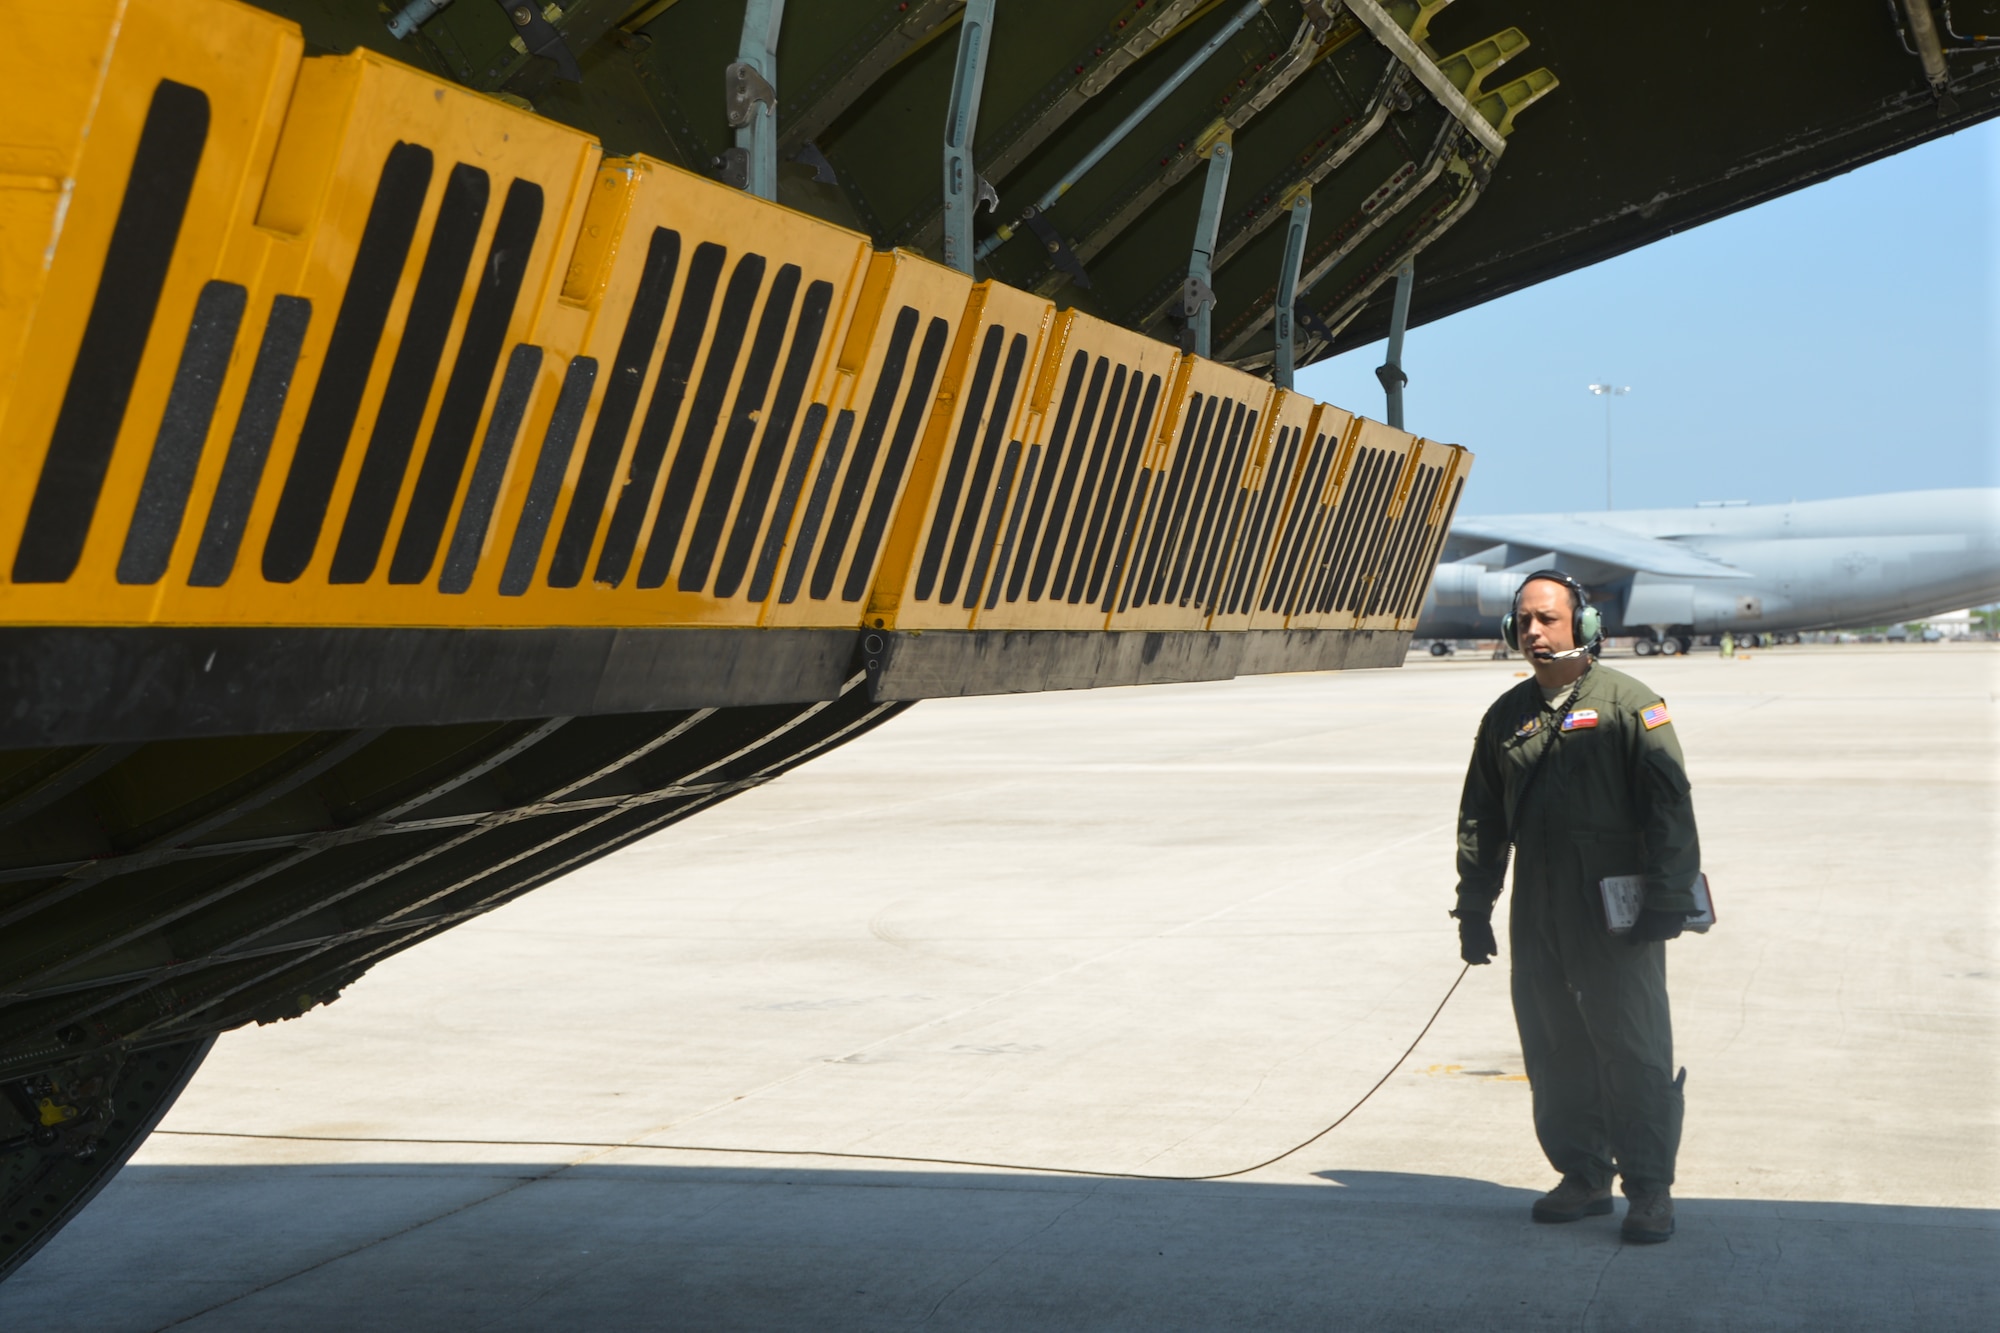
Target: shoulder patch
1656, 716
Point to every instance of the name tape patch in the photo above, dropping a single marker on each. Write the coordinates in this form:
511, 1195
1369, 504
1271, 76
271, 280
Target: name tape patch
1656, 716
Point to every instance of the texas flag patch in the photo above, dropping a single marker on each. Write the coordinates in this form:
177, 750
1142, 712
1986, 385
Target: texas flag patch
1581, 718
1656, 716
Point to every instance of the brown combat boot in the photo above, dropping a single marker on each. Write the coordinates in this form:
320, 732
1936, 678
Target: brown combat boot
1571, 1201
1649, 1217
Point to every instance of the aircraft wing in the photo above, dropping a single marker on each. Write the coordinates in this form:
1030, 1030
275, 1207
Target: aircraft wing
1596, 541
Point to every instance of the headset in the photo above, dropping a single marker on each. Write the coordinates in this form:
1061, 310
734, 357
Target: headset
1586, 622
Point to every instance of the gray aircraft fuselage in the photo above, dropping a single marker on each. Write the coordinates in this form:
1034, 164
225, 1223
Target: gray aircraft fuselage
1817, 564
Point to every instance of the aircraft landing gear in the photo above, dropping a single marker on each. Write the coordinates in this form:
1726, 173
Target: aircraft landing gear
1645, 647
1672, 647
1440, 648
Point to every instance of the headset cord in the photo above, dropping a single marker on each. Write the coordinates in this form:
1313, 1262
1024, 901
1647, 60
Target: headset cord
881, 1157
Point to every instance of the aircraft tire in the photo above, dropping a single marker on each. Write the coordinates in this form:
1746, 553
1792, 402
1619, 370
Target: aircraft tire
1439, 648
49, 1174
1670, 647
1687, 644
1645, 647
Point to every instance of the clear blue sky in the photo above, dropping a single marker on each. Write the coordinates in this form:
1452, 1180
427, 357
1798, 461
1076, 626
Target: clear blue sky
1839, 341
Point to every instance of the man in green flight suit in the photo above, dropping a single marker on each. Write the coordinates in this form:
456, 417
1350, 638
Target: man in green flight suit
1579, 772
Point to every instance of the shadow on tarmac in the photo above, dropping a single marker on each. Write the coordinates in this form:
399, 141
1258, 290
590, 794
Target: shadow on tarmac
614, 1246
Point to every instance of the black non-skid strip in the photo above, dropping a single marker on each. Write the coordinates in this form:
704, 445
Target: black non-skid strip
1012, 539
412, 374
1190, 468
854, 487
1230, 497
1217, 511
1329, 551
990, 449
1390, 596
1402, 533
1389, 538
1298, 520
776, 434
1172, 506
1044, 484
614, 414
916, 407
1286, 531
725, 346
1417, 536
1108, 519
1150, 491
663, 411
177, 449
250, 443
1201, 506
350, 354
1122, 523
1003, 484
545, 487
1075, 450
1239, 548
479, 347
1250, 565
1145, 512
1370, 535
1088, 480
1234, 499
788, 496
1373, 537
1320, 534
1099, 481
809, 524
468, 540
141, 249
1244, 549
1357, 526
726, 474
931, 563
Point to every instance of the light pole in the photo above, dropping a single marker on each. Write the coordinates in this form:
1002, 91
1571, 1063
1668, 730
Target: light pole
1607, 392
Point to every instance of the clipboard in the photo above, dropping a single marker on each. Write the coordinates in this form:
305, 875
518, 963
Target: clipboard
1625, 897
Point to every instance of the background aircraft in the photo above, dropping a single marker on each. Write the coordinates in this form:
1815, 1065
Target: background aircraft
1665, 575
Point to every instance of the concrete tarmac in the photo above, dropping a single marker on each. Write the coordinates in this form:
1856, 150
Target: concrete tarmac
1173, 931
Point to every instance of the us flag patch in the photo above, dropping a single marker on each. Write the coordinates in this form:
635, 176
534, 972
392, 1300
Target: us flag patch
1656, 716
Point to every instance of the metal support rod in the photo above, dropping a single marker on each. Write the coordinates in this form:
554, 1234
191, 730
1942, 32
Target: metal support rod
1930, 49
403, 24
1390, 372
1288, 283
757, 138
1607, 392
1198, 300
961, 181
1131, 122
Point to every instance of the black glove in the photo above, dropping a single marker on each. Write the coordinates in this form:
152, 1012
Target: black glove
1475, 936
1655, 924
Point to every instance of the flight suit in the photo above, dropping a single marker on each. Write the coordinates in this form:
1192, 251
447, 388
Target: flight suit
1610, 798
